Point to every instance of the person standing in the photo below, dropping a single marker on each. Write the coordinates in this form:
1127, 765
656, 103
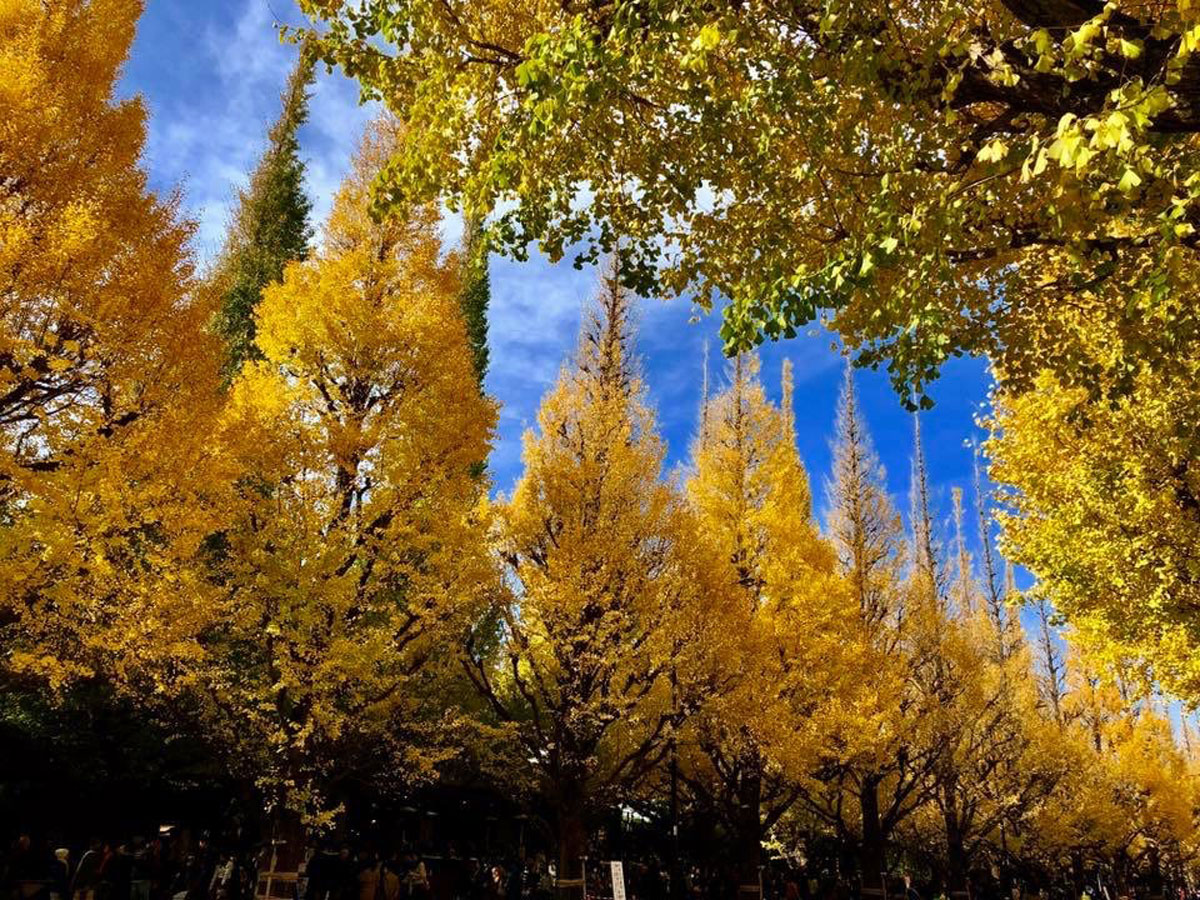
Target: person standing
140, 875
24, 872
87, 873
370, 874
60, 874
345, 875
416, 876
104, 872
120, 873
390, 882
498, 886
515, 888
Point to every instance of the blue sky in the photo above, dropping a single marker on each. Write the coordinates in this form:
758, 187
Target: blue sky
211, 72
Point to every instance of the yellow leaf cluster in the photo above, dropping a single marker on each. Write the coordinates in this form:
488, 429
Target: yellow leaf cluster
105, 366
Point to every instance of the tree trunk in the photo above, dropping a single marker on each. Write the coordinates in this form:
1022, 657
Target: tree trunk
571, 834
956, 870
1121, 873
675, 883
281, 856
748, 817
1077, 874
957, 887
871, 859
1154, 877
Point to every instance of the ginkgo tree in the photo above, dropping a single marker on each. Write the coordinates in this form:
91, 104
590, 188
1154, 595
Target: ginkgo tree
1101, 502
993, 745
1127, 800
941, 178
602, 602
296, 558
874, 775
787, 650
108, 392
354, 553
1016, 179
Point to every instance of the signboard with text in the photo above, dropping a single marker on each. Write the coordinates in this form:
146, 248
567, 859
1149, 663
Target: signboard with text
618, 880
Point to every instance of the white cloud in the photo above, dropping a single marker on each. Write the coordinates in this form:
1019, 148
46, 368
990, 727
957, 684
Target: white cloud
532, 325
209, 136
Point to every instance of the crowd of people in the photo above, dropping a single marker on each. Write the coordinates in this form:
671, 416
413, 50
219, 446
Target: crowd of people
370, 874
179, 865
176, 865
160, 868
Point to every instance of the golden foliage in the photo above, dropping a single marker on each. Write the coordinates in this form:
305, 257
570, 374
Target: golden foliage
105, 369
357, 551
1101, 504
604, 602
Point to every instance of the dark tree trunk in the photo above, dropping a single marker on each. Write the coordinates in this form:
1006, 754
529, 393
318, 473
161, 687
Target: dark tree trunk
1121, 874
871, 857
571, 834
282, 853
1154, 877
957, 887
748, 818
1077, 875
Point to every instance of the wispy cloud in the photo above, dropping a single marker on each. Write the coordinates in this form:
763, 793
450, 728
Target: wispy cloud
532, 326
207, 133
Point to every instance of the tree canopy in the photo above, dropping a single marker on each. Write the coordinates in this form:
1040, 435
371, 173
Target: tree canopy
248, 535
938, 178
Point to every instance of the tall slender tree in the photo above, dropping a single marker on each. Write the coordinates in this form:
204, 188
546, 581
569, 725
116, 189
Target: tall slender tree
1052, 667
270, 227
880, 777
787, 613
983, 726
355, 555
594, 543
864, 524
476, 293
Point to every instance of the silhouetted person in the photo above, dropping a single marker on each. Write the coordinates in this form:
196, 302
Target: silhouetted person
60, 875
120, 873
87, 873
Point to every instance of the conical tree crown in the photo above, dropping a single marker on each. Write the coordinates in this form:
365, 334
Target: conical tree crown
271, 226
929, 573
749, 488
476, 294
864, 525
595, 461
596, 544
